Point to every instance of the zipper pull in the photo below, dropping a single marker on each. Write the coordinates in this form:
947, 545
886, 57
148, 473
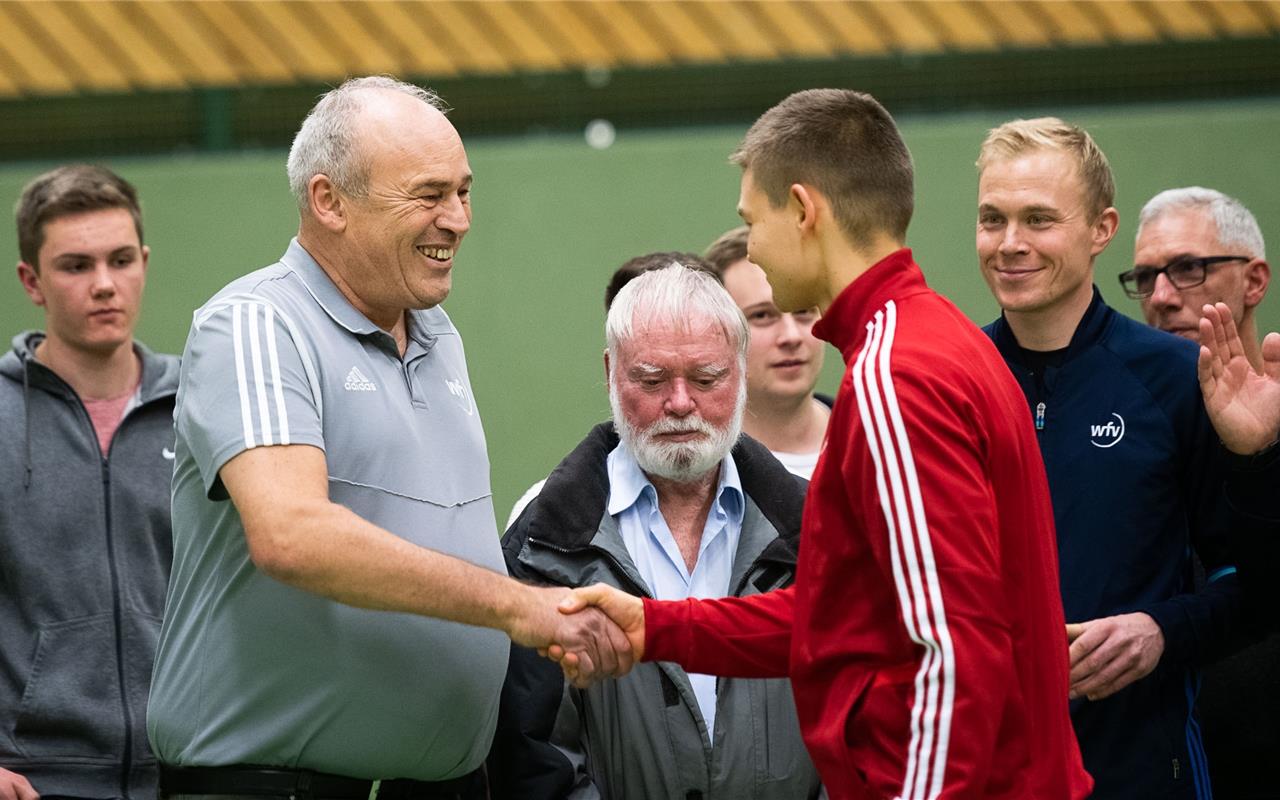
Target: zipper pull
1175, 769
1040, 416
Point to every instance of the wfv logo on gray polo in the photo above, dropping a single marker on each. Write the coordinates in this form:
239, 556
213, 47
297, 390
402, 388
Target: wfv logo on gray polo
1107, 434
460, 395
357, 382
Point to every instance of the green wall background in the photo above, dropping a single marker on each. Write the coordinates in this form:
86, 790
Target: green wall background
553, 219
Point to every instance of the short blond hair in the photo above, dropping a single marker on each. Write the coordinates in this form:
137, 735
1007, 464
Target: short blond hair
1021, 136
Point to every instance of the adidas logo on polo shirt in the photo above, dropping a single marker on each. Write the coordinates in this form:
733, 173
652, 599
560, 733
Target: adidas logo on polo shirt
357, 382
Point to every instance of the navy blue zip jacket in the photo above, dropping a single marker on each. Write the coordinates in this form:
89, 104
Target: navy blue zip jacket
1136, 475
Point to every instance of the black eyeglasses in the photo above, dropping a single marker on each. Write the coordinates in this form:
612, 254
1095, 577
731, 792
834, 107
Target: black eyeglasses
1183, 273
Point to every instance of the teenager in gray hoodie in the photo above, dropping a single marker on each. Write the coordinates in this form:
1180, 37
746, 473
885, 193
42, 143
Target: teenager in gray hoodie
86, 459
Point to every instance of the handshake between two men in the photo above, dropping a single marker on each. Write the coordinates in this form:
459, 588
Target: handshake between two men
600, 635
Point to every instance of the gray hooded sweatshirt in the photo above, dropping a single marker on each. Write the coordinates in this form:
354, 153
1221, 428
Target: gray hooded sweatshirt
85, 549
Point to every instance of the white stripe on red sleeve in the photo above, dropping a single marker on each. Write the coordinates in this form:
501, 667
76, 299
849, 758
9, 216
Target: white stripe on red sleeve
914, 569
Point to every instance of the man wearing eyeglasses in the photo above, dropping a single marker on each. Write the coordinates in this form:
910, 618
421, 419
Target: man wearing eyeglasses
1197, 246
1135, 470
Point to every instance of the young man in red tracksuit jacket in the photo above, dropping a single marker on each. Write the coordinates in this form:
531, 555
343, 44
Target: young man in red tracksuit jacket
924, 635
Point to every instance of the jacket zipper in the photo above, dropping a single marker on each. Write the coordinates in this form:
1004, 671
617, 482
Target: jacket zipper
1040, 407
117, 611
118, 615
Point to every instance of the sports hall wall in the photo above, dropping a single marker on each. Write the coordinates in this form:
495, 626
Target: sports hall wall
554, 217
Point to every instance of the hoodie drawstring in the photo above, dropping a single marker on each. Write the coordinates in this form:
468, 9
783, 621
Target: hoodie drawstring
26, 416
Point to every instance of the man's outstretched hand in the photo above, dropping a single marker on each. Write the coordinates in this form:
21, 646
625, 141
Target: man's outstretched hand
588, 639
625, 610
1243, 406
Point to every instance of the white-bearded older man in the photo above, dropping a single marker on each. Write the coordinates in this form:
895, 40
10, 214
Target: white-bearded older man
665, 501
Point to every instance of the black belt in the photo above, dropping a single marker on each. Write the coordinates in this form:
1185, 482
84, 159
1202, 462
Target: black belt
301, 784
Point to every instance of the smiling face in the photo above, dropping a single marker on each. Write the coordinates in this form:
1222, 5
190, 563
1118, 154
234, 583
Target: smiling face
1192, 233
784, 358
401, 237
677, 397
91, 273
1037, 236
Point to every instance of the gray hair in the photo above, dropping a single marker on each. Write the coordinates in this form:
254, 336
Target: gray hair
675, 294
327, 141
1236, 225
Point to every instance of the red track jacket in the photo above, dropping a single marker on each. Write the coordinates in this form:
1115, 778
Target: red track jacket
924, 634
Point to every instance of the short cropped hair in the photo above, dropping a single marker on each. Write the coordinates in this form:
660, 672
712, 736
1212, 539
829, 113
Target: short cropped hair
650, 261
1021, 136
728, 250
674, 294
1237, 227
844, 144
73, 189
327, 142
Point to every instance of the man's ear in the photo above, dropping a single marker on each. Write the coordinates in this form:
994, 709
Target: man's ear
1104, 229
1257, 275
30, 279
806, 201
328, 206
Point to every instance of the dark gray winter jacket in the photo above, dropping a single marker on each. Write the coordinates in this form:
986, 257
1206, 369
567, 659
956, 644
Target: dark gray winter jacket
642, 737
85, 549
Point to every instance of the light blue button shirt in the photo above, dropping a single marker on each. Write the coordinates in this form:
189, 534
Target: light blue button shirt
633, 501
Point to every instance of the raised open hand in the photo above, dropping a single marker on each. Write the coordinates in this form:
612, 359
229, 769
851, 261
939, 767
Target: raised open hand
1243, 406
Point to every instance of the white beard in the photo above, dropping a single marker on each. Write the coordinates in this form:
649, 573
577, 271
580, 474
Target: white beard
682, 462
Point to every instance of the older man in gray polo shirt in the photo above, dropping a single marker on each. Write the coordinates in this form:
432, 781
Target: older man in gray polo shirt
336, 564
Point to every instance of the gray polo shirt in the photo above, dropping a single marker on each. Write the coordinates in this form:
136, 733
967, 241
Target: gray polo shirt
252, 671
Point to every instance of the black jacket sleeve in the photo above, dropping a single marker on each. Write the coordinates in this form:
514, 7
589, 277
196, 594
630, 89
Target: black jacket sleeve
1202, 626
1252, 485
525, 763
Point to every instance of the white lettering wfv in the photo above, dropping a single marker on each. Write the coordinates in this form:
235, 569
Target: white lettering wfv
1108, 434
460, 395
